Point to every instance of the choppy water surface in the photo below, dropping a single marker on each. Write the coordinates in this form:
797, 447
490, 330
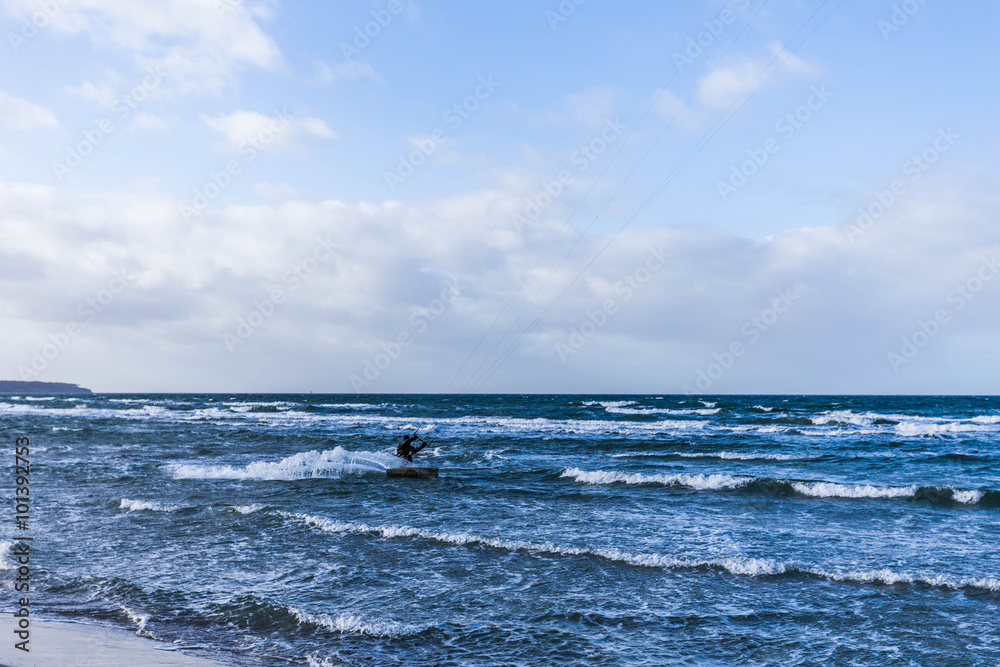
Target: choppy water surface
563, 530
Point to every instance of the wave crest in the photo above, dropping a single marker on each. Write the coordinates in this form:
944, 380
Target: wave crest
938, 495
736, 565
329, 464
350, 624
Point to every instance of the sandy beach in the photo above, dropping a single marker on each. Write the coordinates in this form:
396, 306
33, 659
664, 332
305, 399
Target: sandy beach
58, 644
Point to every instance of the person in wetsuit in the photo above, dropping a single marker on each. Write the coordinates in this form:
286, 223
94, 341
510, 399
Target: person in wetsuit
406, 450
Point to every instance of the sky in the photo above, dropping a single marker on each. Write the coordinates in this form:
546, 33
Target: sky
568, 196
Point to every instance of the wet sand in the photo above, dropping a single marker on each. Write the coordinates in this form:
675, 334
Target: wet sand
58, 644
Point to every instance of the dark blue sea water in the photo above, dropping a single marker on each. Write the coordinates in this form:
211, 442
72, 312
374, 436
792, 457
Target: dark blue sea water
563, 530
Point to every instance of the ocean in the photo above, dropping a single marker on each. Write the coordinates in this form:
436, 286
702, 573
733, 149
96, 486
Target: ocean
562, 530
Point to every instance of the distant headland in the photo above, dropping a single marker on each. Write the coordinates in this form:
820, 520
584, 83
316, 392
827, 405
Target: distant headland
18, 387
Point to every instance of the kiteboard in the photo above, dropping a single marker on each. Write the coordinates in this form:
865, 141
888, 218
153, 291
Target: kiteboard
412, 471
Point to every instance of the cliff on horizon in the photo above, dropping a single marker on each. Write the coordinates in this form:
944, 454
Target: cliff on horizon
19, 387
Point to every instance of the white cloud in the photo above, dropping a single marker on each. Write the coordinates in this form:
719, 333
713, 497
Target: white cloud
742, 75
318, 128
241, 126
194, 281
20, 114
199, 45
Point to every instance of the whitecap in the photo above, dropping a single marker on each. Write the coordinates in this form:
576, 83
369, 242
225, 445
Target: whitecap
144, 506
966, 496
136, 619
890, 577
694, 481
834, 490
703, 412
739, 456
351, 624
247, 509
305, 465
734, 564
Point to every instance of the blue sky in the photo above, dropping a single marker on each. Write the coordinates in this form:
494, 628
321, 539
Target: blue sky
239, 151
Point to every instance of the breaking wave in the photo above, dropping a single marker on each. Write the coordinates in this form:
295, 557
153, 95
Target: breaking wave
333, 463
624, 408
906, 425
351, 624
692, 481
736, 565
938, 495
144, 506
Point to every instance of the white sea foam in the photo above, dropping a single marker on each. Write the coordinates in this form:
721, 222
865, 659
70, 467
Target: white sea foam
832, 490
987, 419
906, 425
678, 412
136, 619
318, 661
707, 404
351, 624
356, 406
735, 565
739, 456
694, 481
890, 577
762, 408
966, 496
624, 408
144, 505
610, 404
495, 424
247, 509
332, 463
723, 481
912, 429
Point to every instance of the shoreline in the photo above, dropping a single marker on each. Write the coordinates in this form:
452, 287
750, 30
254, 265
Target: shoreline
54, 643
